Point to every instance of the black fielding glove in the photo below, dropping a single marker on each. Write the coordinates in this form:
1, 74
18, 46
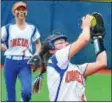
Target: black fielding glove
35, 61
98, 29
97, 32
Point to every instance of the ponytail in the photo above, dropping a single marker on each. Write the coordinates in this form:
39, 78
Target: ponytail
44, 54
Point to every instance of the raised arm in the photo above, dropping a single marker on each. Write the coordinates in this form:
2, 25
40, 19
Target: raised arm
84, 36
100, 63
97, 35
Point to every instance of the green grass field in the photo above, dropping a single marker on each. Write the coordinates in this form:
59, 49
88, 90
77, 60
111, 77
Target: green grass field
98, 88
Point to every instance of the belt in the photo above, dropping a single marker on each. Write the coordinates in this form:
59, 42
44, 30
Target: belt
18, 57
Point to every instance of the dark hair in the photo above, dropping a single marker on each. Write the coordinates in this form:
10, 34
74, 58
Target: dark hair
44, 54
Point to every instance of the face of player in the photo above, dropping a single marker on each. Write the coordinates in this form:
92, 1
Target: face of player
60, 44
20, 13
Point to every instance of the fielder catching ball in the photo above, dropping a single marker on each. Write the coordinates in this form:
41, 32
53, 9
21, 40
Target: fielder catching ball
66, 81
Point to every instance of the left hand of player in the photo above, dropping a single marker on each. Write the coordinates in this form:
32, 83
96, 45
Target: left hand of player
3, 47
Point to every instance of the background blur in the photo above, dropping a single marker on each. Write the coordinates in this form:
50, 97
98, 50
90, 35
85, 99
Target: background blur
64, 16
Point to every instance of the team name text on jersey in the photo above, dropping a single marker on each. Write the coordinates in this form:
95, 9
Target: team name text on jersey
19, 42
74, 76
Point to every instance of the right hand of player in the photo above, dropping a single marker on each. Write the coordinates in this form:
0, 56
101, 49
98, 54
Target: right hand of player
86, 21
3, 47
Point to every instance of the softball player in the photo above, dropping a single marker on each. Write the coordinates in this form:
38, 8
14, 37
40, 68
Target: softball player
66, 81
17, 40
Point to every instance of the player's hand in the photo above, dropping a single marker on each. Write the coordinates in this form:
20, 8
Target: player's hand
3, 47
86, 21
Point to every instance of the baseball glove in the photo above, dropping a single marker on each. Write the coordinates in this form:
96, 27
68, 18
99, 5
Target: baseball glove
98, 29
35, 61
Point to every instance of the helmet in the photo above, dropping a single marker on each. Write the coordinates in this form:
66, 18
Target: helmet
50, 40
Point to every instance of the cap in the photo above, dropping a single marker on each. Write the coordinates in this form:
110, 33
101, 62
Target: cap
19, 4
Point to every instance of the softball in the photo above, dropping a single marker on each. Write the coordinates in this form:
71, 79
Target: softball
93, 21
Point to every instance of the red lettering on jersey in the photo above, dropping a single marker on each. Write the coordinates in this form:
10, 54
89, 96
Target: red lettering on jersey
74, 76
23, 42
19, 42
68, 78
13, 42
26, 43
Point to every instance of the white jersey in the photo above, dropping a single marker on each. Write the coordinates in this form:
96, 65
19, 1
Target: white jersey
19, 41
65, 81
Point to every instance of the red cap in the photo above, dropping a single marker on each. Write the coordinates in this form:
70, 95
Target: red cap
19, 4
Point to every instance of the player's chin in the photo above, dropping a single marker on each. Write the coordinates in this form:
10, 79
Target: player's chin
21, 17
